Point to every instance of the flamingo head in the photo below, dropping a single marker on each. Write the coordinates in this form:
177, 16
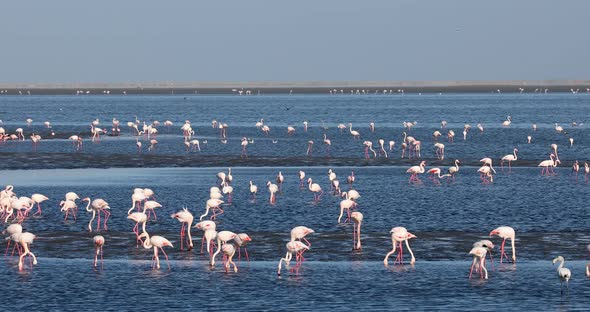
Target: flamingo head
410, 235
309, 180
86, 199
494, 232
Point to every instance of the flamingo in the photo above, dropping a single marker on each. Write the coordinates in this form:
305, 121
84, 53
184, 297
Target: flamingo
227, 189
213, 204
488, 162
98, 205
505, 232
586, 170
244, 148
440, 150
328, 144
485, 174
290, 130
253, 190
398, 235
548, 165
479, 253
138, 217
350, 179
186, 219
357, 217
137, 197
507, 122
273, 189
453, 170
280, 179
436, 134
229, 251
372, 126
98, 243
315, 188
347, 204
564, 274
156, 242
369, 147
293, 247
415, 170
528, 139
391, 145
209, 229
301, 179
451, 136
309, 148
355, 134
150, 206
26, 239
575, 168
222, 238
12, 229
299, 233
66, 206
509, 158
487, 244
241, 240
38, 199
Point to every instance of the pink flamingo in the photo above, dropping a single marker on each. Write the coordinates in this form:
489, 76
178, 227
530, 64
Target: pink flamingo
98, 243
186, 219
156, 242
479, 253
215, 205
357, 217
26, 239
509, 158
241, 240
315, 188
229, 251
398, 235
415, 170
346, 204
98, 205
297, 248
548, 165
210, 232
505, 232
138, 217
273, 189
309, 148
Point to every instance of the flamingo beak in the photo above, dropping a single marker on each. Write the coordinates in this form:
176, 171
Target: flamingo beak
494, 232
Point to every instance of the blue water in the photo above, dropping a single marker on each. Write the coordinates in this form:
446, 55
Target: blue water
549, 213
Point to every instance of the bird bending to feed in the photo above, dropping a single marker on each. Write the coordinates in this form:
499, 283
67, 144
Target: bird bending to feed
398, 235
26, 239
564, 274
479, 256
505, 232
186, 219
156, 242
98, 243
297, 248
357, 217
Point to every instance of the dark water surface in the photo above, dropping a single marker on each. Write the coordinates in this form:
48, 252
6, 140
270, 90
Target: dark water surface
549, 213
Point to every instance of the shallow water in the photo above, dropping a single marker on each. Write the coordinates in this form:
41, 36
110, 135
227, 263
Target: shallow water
72, 115
549, 213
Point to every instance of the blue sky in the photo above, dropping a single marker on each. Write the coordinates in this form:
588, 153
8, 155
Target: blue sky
142, 41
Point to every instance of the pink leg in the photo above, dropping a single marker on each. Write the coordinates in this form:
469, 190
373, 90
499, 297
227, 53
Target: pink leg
165, 255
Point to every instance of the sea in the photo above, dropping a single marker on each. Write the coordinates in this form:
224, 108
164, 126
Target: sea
548, 212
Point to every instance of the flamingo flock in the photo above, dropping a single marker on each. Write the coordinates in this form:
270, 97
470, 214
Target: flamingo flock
228, 243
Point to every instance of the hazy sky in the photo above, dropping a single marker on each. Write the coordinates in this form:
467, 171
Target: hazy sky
142, 41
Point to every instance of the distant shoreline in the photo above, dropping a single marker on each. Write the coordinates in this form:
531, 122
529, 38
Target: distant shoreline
311, 87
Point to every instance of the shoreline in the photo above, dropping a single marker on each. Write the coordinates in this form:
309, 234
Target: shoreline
311, 87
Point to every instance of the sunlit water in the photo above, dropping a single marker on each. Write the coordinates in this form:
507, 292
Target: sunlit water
549, 213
